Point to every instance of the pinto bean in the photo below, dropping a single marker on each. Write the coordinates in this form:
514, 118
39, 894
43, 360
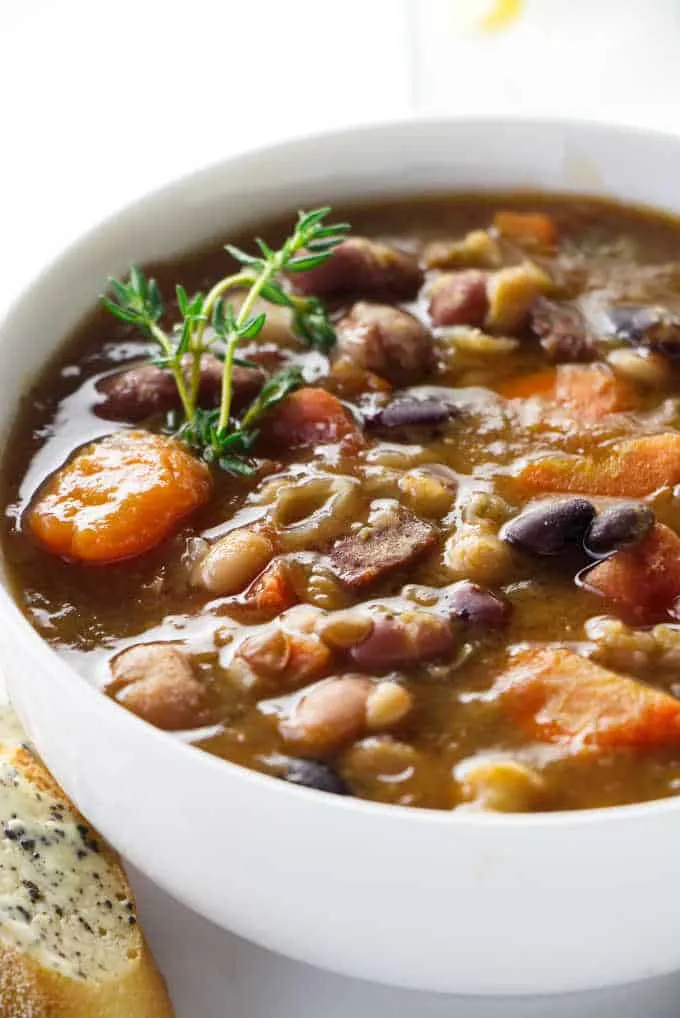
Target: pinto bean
562, 331
459, 298
337, 712
332, 715
139, 392
385, 340
363, 267
279, 659
157, 683
400, 640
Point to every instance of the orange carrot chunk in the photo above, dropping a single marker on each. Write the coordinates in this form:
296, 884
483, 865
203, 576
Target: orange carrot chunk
592, 390
118, 498
272, 591
559, 696
308, 417
642, 582
531, 229
630, 469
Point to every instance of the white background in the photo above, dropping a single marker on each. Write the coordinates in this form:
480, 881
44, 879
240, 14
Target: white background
102, 101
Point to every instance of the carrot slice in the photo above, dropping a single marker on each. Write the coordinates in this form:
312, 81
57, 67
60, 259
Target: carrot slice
118, 497
643, 582
630, 469
272, 591
557, 695
534, 229
539, 384
308, 417
592, 390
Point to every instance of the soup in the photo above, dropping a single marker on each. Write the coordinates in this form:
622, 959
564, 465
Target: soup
411, 536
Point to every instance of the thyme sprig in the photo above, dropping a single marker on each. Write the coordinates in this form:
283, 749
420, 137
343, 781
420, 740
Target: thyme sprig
209, 318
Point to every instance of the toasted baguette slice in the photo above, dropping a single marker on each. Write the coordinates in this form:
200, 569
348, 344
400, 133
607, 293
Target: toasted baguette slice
70, 943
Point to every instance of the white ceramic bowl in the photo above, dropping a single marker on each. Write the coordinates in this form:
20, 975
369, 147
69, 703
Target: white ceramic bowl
458, 903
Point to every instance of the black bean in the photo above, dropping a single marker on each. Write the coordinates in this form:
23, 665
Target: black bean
471, 603
550, 528
621, 525
312, 774
654, 327
411, 413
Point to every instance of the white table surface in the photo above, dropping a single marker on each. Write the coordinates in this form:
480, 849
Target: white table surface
75, 78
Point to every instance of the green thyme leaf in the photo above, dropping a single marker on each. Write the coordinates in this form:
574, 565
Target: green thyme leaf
272, 392
214, 434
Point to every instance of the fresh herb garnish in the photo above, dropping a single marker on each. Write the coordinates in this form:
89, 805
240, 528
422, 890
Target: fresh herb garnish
214, 434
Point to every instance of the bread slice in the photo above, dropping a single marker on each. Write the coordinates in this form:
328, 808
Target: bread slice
70, 943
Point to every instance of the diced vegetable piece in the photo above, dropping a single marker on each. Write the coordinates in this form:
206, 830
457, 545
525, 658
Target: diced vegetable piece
593, 390
272, 591
118, 498
511, 293
642, 581
630, 469
539, 384
477, 250
310, 416
532, 229
560, 696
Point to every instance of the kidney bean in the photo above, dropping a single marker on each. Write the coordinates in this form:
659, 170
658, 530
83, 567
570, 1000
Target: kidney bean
621, 525
387, 341
459, 298
399, 640
471, 603
314, 774
139, 392
550, 528
410, 413
362, 266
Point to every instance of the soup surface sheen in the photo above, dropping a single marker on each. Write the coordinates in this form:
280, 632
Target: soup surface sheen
452, 583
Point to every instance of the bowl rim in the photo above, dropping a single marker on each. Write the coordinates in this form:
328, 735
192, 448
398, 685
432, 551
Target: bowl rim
65, 673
